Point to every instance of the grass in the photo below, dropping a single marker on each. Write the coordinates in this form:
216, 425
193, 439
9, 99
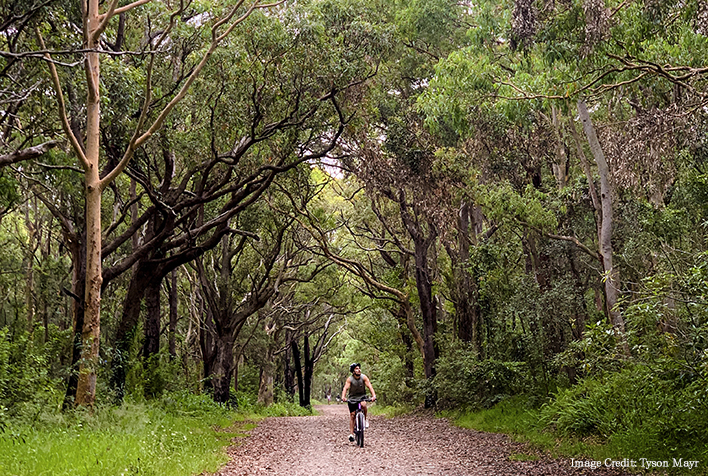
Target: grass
180, 435
127, 440
514, 418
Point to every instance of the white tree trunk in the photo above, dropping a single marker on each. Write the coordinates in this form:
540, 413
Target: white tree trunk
611, 278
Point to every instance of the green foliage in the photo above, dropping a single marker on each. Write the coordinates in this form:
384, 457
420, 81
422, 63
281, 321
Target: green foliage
180, 435
28, 383
247, 404
513, 415
150, 379
8, 190
597, 351
463, 380
188, 404
645, 409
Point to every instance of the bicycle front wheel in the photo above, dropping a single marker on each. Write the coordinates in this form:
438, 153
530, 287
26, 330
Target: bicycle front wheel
360, 424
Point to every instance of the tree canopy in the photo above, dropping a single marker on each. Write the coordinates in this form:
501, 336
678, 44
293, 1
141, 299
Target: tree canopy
476, 200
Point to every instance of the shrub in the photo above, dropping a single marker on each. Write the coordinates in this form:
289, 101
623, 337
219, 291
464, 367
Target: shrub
247, 403
654, 412
27, 384
464, 380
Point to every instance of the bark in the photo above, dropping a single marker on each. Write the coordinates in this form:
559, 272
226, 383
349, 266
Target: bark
265, 386
304, 369
408, 363
298, 371
288, 371
172, 336
561, 165
612, 278
424, 285
128, 325
43, 304
207, 336
26, 154
151, 345
32, 238
77, 249
90, 335
465, 291
222, 368
309, 370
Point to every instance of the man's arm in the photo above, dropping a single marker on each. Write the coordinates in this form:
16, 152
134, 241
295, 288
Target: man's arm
344, 391
367, 382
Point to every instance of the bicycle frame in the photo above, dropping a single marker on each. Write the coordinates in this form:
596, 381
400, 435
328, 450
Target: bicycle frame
360, 424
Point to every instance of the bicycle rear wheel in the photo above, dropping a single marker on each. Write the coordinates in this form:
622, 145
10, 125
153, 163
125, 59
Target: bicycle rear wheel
360, 425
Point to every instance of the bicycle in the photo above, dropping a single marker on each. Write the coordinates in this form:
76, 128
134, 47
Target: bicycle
360, 422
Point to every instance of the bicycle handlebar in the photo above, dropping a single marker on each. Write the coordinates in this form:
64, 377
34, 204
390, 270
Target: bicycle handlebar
359, 400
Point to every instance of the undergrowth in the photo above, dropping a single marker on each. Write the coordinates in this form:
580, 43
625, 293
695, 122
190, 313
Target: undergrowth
179, 434
624, 415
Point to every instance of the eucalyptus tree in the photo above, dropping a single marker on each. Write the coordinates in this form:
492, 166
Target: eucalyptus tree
513, 94
275, 100
248, 275
88, 29
392, 157
25, 132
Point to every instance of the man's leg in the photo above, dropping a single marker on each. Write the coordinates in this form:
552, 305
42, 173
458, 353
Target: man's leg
351, 422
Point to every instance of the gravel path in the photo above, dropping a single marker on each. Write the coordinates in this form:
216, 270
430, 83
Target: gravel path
401, 446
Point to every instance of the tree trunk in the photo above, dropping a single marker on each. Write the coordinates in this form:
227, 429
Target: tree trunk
91, 333
465, 291
32, 234
172, 343
428, 310
78, 281
408, 364
423, 282
309, 370
265, 387
561, 165
222, 369
612, 278
288, 376
298, 371
151, 345
207, 344
127, 326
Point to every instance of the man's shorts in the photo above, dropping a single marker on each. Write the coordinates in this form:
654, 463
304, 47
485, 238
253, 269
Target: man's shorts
353, 406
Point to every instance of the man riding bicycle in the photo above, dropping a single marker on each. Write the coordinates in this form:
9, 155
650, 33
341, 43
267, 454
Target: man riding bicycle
356, 384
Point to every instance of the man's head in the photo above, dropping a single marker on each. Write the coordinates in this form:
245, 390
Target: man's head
355, 369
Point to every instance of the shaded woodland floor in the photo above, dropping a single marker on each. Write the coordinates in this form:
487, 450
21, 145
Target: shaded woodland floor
407, 445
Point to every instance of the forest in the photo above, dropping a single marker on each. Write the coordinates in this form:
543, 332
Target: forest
488, 203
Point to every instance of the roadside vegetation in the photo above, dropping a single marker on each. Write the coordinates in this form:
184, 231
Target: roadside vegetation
207, 207
180, 434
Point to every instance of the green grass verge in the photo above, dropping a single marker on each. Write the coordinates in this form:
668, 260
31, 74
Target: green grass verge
514, 418
180, 435
129, 440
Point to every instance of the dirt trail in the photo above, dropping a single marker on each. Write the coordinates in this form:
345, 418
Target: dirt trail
402, 446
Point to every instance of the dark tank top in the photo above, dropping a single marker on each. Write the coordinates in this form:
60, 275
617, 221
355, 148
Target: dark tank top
356, 386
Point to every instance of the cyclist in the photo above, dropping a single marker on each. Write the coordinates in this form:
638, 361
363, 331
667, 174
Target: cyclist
356, 384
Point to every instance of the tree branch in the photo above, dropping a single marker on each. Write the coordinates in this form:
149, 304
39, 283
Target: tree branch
27, 154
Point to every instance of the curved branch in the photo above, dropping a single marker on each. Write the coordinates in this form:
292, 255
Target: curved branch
62, 107
27, 154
